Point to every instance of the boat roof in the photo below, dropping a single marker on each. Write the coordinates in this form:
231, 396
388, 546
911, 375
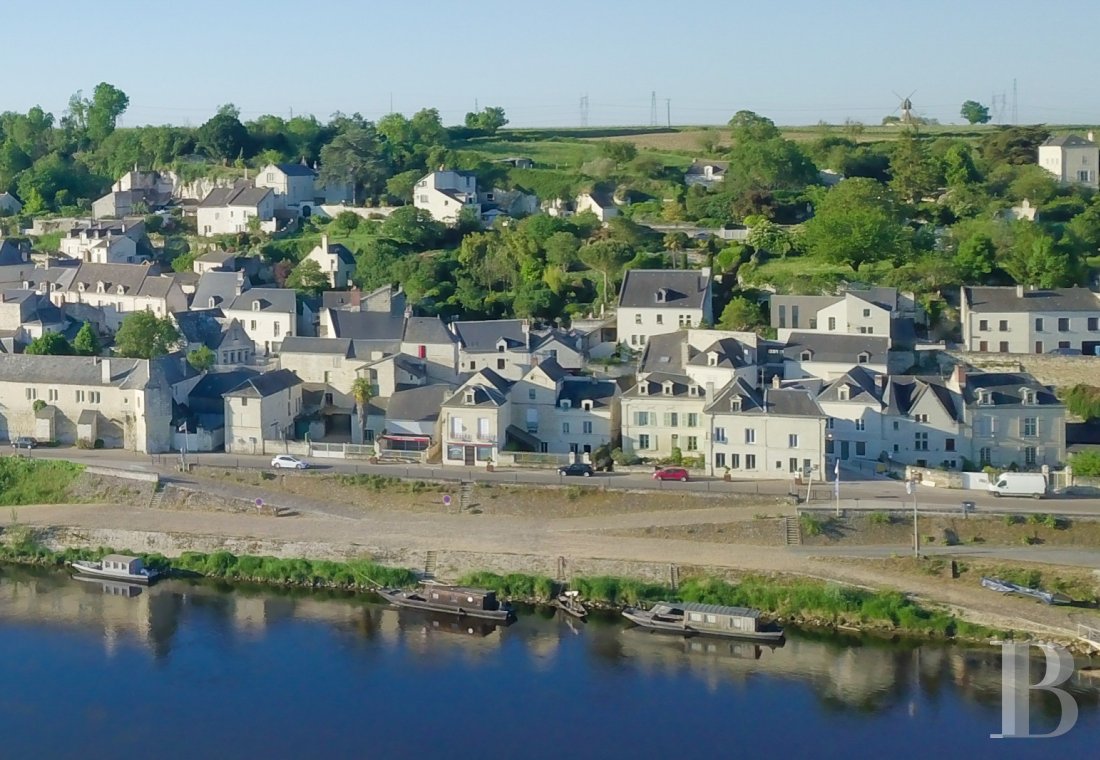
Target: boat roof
458, 589
119, 558
713, 609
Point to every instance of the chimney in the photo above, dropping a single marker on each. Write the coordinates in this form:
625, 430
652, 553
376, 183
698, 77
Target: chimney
239, 285
1019, 291
685, 353
105, 370
710, 392
355, 299
776, 381
324, 243
958, 378
880, 381
1092, 136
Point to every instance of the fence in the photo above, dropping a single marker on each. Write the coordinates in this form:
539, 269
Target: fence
529, 459
200, 440
341, 450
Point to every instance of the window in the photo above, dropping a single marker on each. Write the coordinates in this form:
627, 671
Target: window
1038, 346
1003, 325
643, 442
244, 402
861, 424
1038, 324
949, 444
750, 461
861, 448
1094, 324
750, 435
985, 456
253, 324
1029, 456
1029, 427
1063, 324
641, 419
637, 319
565, 428
93, 397
866, 312
863, 357
1084, 176
672, 419
720, 460
896, 425
692, 443
1003, 348
692, 419
32, 394
586, 428
660, 319
79, 397
500, 364
782, 315
735, 461
832, 323
983, 345
1063, 344
531, 394
830, 423
920, 418
806, 356
983, 324
792, 441
920, 441
473, 365
719, 435
843, 393
278, 330
483, 428
829, 447
53, 394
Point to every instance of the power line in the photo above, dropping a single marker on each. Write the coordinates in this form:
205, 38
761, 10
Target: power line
653, 108
584, 110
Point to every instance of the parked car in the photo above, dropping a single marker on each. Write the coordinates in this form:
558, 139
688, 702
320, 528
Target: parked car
289, 462
577, 468
671, 473
24, 442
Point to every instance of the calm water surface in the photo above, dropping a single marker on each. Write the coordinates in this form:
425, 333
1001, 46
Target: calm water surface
193, 671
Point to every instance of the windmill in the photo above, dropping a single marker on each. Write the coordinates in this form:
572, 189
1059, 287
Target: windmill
905, 107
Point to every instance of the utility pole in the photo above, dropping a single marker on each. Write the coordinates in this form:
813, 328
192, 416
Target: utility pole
1015, 112
668, 111
911, 487
653, 108
391, 101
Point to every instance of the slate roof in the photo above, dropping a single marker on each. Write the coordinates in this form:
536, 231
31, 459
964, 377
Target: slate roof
552, 369
296, 170
1005, 389
10, 255
655, 382
482, 336
862, 386
785, 402
999, 300
665, 352
696, 168
235, 196
134, 279
601, 393
340, 251
370, 325
73, 370
216, 257
730, 355
221, 286
214, 385
200, 326
427, 330
836, 348
267, 384
1068, 141
297, 344
681, 288
489, 389
420, 404
282, 300
903, 392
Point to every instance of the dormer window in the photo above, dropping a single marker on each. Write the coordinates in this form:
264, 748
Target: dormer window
735, 404
712, 359
26, 284
844, 393
256, 305
100, 287
501, 345
806, 356
863, 357
586, 405
643, 388
211, 302
470, 398
693, 390
121, 290
566, 403
662, 295
80, 286
667, 388
1028, 396
983, 396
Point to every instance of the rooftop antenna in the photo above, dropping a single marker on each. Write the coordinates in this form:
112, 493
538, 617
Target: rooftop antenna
905, 107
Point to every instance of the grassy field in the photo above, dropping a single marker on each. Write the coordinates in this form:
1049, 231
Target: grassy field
36, 481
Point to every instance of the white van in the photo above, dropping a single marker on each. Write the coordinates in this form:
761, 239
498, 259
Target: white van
1031, 484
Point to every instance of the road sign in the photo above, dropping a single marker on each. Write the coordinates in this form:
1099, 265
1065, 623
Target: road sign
259, 503
909, 487
446, 500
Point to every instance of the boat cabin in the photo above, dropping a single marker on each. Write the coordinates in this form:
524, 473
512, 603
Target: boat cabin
466, 598
123, 563
710, 618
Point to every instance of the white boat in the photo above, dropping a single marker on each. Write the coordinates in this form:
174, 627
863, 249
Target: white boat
116, 567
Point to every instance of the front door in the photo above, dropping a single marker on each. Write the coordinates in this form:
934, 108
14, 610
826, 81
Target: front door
844, 449
793, 464
469, 456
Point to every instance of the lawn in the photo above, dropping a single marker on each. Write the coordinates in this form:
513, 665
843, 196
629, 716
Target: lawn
806, 275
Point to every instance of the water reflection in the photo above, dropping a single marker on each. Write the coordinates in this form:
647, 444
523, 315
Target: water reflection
849, 674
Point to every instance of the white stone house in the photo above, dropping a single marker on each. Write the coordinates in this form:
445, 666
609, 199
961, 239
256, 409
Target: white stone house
657, 301
262, 408
1071, 159
502, 345
429, 340
446, 194
706, 173
923, 422
475, 420
28, 314
771, 433
103, 242
850, 313
336, 262
600, 204
126, 403
105, 293
564, 413
854, 406
828, 356
228, 210
268, 315
1020, 320
294, 186
663, 412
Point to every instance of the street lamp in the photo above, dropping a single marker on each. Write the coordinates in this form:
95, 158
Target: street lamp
911, 488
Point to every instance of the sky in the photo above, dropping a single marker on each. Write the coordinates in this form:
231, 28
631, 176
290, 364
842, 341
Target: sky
795, 61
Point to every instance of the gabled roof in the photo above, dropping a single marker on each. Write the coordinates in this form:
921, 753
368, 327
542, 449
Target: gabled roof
577, 390
280, 300
603, 200
784, 402
994, 300
729, 353
427, 330
214, 385
267, 384
200, 326
664, 288
552, 369
296, 170
221, 286
836, 348
216, 257
245, 195
655, 384
1007, 389
10, 254
134, 279
420, 404
1069, 141
488, 388
697, 167
339, 250
861, 383
482, 336
74, 370
297, 344
360, 325
665, 352
904, 392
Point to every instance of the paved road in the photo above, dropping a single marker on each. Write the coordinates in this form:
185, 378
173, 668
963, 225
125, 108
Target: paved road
858, 491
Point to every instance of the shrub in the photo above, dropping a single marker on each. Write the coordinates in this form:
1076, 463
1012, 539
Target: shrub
1013, 519
1037, 518
98, 443
880, 518
812, 526
1086, 463
83, 443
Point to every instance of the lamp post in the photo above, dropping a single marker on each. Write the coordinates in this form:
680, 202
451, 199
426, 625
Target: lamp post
911, 488
183, 448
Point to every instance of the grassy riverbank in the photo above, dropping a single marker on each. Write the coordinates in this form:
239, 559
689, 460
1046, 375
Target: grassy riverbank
36, 481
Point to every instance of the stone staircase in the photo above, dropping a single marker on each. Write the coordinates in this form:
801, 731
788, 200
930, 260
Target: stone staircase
466, 495
430, 560
157, 498
792, 531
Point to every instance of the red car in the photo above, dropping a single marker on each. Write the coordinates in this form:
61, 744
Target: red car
671, 473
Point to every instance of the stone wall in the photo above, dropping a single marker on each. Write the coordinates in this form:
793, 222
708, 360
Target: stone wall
1058, 371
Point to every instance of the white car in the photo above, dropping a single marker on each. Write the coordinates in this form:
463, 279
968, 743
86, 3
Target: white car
287, 461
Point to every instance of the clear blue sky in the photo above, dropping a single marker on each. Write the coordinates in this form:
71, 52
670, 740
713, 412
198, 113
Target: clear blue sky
798, 61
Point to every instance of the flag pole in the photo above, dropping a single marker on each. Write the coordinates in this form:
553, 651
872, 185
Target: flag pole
836, 485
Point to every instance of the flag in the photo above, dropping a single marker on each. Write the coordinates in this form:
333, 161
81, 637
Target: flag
836, 482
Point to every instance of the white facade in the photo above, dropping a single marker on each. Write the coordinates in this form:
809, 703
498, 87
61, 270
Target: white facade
446, 194
335, 262
655, 302
292, 184
662, 413
233, 216
111, 291
765, 445
102, 246
268, 315
474, 422
1025, 321
250, 418
604, 208
1072, 160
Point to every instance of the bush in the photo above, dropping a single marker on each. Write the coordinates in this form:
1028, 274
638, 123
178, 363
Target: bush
624, 459
84, 443
880, 518
1086, 463
812, 526
98, 443
36, 481
1013, 520
1084, 401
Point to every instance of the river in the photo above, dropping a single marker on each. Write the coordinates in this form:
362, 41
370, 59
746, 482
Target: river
192, 670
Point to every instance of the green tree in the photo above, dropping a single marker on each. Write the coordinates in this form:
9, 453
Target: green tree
608, 257
356, 155
856, 223
741, 314
976, 258
201, 359
619, 151
913, 172
308, 278
1037, 259
52, 344
86, 342
413, 227
747, 126
400, 186
346, 222
362, 392
974, 112
487, 121
144, 335
107, 104
561, 250
223, 137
